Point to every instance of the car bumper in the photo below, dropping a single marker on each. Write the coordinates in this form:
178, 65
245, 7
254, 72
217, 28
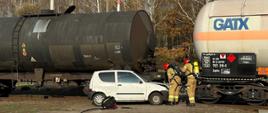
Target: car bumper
165, 95
90, 95
88, 92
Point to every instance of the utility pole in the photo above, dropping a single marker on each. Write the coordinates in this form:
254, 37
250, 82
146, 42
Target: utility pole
98, 6
52, 5
118, 5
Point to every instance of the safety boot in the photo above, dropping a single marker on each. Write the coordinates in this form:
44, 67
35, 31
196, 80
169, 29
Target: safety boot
191, 104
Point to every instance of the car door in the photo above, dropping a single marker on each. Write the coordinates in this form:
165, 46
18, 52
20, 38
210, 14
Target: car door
130, 87
107, 83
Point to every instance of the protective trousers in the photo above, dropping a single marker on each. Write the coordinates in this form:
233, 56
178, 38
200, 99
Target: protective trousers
191, 83
174, 89
173, 86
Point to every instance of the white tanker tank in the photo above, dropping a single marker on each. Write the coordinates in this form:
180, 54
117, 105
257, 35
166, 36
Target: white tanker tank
239, 26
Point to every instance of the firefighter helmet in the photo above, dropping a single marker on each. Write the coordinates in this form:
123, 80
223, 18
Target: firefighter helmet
186, 60
165, 66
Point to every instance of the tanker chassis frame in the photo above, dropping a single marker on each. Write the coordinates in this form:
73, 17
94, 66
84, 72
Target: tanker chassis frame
244, 82
252, 91
40, 78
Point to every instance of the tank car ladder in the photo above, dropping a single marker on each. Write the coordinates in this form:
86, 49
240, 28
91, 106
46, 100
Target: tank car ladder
15, 46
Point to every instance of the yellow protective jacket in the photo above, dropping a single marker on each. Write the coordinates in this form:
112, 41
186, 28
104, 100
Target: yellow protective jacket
187, 69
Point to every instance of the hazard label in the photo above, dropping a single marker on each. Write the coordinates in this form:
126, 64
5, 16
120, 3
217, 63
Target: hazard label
228, 64
222, 56
231, 58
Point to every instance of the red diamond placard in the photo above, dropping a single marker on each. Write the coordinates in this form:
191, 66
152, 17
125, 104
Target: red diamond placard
231, 58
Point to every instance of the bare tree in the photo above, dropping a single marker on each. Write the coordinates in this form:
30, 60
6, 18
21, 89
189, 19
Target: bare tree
189, 8
6, 8
151, 6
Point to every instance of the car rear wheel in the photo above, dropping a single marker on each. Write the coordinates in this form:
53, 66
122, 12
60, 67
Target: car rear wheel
98, 98
156, 98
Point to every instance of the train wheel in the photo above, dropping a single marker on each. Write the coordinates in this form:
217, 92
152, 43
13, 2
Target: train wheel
256, 102
255, 98
210, 100
6, 88
5, 91
255, 95
208, 94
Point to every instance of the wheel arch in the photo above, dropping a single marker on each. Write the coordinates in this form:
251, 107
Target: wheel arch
97, 92
163, 93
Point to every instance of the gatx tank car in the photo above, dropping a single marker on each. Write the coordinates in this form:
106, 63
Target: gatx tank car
231, 37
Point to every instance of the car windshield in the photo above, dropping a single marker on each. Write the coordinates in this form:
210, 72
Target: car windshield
144, 78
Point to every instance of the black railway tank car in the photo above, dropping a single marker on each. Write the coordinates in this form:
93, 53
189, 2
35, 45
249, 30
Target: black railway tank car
75, 42
33, 47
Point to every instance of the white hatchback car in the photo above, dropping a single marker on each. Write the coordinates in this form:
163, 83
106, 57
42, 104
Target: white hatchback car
125, 86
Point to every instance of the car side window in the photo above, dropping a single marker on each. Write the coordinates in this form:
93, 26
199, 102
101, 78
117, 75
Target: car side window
107, 76
126, 77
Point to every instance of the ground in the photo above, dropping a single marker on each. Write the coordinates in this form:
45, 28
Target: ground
80, 104
39, 103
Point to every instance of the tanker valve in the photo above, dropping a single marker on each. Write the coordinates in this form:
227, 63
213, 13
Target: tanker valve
65, 80
57, 79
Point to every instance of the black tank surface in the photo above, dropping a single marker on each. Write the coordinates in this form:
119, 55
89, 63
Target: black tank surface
76, 42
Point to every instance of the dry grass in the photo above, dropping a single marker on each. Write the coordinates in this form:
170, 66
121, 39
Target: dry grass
37, 104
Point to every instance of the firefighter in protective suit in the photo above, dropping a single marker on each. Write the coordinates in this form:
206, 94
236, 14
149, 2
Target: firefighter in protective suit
174, 81
191, 81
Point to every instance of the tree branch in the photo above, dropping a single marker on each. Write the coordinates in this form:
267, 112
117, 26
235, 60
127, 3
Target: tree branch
185, 13
199, 2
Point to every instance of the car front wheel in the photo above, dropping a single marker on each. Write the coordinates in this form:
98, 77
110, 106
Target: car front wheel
156, 98
98, 98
